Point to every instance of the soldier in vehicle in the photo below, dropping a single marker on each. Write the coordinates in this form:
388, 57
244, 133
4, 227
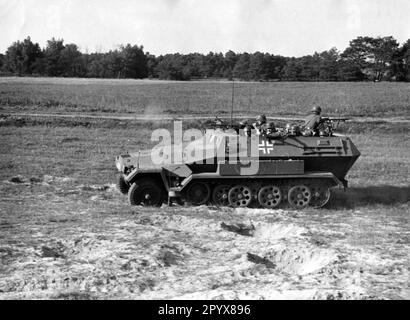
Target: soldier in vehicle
247, 131
270, 128
260, 124
243, 124
293, 129
312, 122
271, 132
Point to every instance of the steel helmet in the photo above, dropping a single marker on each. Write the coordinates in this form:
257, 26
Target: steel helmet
271, 126
294, 130
261, 118
243, 124
316, 110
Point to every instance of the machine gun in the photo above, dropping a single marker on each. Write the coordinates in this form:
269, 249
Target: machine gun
275, 135
334, 119
327, 125
219, 123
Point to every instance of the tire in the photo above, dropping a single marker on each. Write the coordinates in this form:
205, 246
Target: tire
146, 193
122, 186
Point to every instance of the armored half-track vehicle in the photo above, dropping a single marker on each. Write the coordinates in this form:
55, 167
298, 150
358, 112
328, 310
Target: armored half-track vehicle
291, 169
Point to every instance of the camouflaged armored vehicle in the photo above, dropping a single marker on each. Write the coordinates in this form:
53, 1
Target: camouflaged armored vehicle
293, 170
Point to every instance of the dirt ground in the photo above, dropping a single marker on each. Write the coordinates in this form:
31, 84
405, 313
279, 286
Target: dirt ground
61, 239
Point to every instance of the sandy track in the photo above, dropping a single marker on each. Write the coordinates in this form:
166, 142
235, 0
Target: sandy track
156, 117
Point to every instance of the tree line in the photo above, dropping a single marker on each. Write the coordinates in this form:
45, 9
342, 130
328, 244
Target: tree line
366, 58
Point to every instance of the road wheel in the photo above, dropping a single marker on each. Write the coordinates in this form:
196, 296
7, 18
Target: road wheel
320, 196
146, 193
240, 196
269, 197
220, 195
122, 186
299, 196
198, 193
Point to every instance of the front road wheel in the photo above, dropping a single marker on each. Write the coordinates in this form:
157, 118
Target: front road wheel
198, 193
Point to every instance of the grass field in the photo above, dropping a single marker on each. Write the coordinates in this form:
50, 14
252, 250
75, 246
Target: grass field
93, 96
67, 233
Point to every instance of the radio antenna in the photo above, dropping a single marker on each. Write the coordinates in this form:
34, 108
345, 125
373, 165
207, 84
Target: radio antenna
233, 97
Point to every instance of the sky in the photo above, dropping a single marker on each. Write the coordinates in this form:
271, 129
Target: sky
285, 27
